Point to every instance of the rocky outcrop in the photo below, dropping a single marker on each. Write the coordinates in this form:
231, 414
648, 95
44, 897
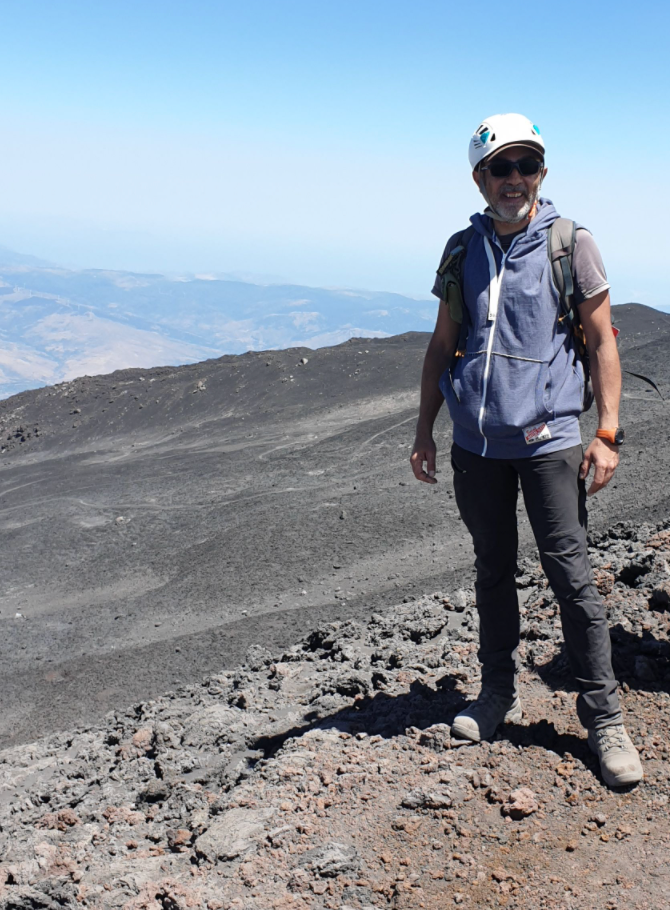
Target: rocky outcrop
326, 776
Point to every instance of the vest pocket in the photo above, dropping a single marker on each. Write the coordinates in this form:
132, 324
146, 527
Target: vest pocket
450, 378
544, 393
571, 397
446, 384
519, 394
463, 390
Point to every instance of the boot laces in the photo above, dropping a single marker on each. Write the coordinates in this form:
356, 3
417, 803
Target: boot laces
490, 696
612, 738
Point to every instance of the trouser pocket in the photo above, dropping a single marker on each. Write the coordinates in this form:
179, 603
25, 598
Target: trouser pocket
456, 467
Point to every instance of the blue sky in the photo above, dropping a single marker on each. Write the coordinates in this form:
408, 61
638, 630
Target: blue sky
324, 143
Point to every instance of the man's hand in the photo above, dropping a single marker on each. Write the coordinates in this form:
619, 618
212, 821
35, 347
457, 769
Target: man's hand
604, 456
424, 451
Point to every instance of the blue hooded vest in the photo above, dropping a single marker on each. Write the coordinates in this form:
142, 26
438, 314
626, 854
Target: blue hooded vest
518, 390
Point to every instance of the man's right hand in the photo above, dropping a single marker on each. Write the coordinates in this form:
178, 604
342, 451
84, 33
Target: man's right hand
424, 452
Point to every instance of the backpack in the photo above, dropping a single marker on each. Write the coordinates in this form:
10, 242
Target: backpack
560, 250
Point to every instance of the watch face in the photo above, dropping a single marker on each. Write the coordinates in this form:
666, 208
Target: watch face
619, 436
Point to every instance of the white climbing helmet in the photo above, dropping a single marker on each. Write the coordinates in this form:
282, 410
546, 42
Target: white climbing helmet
500, 130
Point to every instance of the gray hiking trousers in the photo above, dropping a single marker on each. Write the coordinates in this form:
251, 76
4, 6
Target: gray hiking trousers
486, 493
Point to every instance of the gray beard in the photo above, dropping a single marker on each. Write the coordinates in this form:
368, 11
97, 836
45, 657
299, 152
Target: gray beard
517, 217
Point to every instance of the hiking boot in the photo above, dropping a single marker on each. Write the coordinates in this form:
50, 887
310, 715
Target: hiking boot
619, 761
481, 719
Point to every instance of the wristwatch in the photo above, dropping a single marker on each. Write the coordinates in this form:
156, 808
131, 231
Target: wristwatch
615, 436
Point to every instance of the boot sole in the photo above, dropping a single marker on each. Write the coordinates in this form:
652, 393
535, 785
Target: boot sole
513, 716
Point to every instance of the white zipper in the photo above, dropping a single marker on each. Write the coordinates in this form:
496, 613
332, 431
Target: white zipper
495, 280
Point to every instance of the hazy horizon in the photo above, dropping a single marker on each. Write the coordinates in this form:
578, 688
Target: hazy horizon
258, 279
326, 144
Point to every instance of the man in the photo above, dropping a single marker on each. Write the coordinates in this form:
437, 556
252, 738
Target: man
515, 396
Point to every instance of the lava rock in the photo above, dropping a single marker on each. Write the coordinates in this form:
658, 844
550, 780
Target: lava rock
520, 803
426, 799
660, 595
233, 833
332, 859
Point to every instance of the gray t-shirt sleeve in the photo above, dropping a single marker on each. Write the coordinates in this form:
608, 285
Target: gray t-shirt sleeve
587, 267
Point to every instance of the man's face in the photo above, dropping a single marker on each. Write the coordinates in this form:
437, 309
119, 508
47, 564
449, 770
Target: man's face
511, 197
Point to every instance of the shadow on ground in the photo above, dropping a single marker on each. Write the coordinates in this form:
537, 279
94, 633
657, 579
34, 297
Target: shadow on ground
640, 661
420, 708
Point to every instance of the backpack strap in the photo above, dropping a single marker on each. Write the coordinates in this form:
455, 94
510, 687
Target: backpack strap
647, 380
451, 267
458, 244
560, 249
451, 271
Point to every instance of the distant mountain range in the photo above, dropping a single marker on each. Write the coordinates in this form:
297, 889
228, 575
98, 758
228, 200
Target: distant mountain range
57, 324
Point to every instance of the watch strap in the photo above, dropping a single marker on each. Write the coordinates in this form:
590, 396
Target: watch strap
609, 435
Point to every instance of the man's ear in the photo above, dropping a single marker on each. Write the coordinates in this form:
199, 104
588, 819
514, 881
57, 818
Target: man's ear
477, 176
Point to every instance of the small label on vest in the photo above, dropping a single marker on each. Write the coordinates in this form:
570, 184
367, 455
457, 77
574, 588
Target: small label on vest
539, 432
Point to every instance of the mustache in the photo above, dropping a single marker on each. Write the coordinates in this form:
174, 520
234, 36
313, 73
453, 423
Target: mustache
514, 189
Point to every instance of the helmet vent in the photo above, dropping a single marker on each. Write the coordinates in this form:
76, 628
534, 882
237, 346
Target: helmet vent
492, 137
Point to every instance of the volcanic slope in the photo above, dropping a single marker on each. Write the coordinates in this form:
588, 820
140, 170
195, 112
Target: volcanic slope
155, 523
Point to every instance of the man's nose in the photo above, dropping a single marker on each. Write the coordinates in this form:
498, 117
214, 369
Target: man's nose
514, 179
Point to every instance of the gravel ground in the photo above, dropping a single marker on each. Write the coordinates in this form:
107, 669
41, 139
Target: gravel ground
325, 776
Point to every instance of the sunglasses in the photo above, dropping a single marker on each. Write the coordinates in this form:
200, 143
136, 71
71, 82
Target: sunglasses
502, 167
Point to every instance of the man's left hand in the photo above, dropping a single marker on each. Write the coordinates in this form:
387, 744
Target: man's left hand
604, 456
